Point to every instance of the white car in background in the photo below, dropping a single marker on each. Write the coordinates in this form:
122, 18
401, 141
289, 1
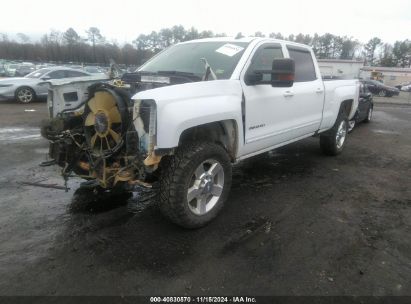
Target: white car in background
33, 86
406, 88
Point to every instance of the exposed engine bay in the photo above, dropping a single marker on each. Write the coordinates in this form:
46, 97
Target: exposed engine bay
101, 142
109, 138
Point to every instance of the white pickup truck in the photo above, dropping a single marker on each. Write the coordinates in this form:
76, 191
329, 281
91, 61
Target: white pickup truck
186, 115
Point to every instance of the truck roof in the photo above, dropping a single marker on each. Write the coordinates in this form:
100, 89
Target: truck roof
247, 40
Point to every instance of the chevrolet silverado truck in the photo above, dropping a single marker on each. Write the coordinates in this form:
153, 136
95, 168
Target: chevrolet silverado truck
179, 122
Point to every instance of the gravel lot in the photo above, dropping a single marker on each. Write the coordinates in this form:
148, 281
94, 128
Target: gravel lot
296, 223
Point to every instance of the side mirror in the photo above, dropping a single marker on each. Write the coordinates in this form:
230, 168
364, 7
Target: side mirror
283, 72
46, 78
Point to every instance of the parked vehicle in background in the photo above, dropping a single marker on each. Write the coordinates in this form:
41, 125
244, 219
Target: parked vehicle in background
32, 86
365, 107
44, 65
3, 71
196, 108
24, 70
94, 70
11, 69
380, 89
76, 67
406, 87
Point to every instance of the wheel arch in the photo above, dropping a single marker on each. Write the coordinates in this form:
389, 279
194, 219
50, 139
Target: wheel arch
223, 132
346, 107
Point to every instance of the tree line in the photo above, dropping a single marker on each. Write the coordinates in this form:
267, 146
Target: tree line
93, 47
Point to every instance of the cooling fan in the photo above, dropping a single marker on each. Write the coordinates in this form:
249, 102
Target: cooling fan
104, 121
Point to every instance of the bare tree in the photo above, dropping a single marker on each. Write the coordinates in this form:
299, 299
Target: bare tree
94, 37
370, 48
23, 37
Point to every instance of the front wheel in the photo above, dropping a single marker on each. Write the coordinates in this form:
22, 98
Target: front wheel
25, 95
194, 184
332, 142
382, 93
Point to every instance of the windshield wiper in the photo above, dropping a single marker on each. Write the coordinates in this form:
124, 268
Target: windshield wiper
208, 70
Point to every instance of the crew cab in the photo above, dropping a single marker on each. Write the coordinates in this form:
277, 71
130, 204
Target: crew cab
179, 122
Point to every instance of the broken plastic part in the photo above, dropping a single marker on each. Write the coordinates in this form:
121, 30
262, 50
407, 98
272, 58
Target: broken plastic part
152, 159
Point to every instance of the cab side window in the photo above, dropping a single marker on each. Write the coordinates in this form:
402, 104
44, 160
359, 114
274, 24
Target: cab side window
75, 74
263, 59
57, 74
304, 64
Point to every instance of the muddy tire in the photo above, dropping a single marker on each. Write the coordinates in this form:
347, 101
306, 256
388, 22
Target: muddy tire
194, 184
333, 141
25, 95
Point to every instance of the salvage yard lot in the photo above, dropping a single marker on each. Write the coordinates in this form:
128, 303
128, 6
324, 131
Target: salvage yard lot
296, 223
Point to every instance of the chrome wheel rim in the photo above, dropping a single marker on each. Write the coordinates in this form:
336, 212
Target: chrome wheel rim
351, 125
25, 95
370, 114
341, 134
206, 187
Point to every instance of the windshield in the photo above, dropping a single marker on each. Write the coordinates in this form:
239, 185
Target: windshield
222, 57
38, 73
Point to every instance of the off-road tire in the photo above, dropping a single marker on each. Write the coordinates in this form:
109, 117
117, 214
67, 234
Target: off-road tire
328, 140
176, 173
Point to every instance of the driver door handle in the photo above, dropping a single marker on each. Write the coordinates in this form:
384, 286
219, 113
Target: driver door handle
288, 94
319, 91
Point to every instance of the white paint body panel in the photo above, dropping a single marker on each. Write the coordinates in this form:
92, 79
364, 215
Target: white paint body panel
312, 107
184, 106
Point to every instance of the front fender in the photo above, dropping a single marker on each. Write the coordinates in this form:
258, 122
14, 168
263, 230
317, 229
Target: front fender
174, 118
183, 106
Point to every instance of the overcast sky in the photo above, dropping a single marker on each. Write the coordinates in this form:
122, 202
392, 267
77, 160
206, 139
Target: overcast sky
124, 20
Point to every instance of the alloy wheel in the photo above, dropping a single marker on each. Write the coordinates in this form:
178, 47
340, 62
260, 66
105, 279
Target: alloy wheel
341, 134
351, 125
206, 187
25, 95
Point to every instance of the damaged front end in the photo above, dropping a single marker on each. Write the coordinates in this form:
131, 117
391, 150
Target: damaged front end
109, 142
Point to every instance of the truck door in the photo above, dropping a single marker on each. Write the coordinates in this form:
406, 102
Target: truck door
273, 115
264, 105
307, 98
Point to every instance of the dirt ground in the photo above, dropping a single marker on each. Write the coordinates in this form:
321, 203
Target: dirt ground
296, 223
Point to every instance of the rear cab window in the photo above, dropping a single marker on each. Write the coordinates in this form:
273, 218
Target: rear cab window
304, 63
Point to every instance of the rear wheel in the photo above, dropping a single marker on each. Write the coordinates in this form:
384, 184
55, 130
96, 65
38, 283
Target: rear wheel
369, 115
25, 94
351, 125
194, 184
332, 142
